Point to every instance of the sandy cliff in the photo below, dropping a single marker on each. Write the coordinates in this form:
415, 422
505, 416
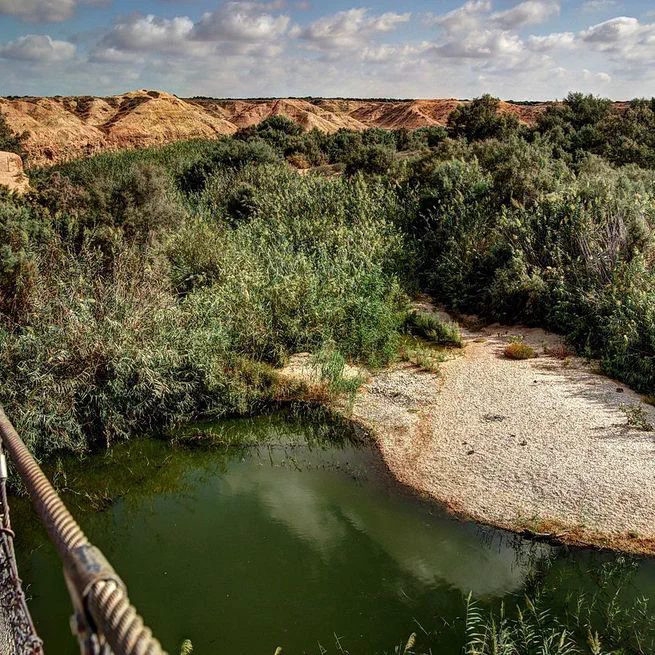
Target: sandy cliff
11, 172
63, 128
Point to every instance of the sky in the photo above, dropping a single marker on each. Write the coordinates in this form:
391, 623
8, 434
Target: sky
530, 50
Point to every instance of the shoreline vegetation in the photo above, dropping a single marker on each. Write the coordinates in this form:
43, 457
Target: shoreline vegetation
145, 289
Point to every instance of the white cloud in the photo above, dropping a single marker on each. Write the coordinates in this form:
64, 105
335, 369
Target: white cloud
111, 55
604, 78
463, 18
38, 11
237, 21
37, 48
625, 40
235, 28
476, 15
593, 6
530, 12
554, 41
486, 44
348, 29
251, 48
480, 39
611, 31
150, 33
386, 53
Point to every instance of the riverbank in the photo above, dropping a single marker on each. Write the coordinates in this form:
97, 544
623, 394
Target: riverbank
541, 446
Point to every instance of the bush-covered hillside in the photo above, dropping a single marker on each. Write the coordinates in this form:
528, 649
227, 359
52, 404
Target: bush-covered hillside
145, 288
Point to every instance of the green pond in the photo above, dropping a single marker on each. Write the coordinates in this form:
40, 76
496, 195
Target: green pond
298, 539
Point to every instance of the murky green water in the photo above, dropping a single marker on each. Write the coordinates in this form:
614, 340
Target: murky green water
299, 542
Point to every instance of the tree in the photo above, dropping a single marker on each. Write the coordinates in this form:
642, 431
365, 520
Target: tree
280, 132
481, 119
576, 126
630, 135
374, 160
279, 123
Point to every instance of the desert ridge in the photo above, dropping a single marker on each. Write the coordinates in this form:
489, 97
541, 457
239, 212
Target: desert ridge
62, 128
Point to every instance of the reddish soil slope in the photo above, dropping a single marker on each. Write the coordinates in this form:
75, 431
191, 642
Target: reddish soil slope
62, 128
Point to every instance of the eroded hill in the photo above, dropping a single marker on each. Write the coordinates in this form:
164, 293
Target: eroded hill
62, 128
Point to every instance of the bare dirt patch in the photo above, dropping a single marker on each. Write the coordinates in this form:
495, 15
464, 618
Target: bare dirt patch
11, 172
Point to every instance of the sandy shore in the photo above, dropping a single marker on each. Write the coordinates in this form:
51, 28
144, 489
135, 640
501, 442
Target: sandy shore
540, 445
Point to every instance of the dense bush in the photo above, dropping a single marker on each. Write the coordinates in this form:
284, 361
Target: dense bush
586, 124
128, 306
572, 252
373, 159
482, 119
140, 289
233, 154
317, 261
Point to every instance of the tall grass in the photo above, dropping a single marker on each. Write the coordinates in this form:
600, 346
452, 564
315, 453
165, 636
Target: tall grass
129, 306
600, 622
431, 327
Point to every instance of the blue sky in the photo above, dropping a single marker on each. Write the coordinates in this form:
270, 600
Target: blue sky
530, 49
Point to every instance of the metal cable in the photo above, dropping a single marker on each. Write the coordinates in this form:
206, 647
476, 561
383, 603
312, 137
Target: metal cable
17, 633
117, 621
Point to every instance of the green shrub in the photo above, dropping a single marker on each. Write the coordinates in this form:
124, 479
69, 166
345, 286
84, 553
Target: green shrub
106, 354
144, 288
232, 154
481, 119
138, 204
430, 136
128, 306
519, 350
426, 359
373, 160
431, 327
242, 203
317, 262
331, 365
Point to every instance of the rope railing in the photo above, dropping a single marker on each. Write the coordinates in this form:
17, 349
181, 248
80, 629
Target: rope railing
17, 633
104, 620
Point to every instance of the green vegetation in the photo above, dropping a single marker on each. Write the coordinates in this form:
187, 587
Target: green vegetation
637, 417
131, 305
599, 622
143, 289
330, 365
482, 120
429, 326
427, 359
518, 350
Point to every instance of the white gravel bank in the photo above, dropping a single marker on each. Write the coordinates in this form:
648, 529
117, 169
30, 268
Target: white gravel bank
540, 445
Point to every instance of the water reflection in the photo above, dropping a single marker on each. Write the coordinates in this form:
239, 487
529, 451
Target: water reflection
245, 549
317, 507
